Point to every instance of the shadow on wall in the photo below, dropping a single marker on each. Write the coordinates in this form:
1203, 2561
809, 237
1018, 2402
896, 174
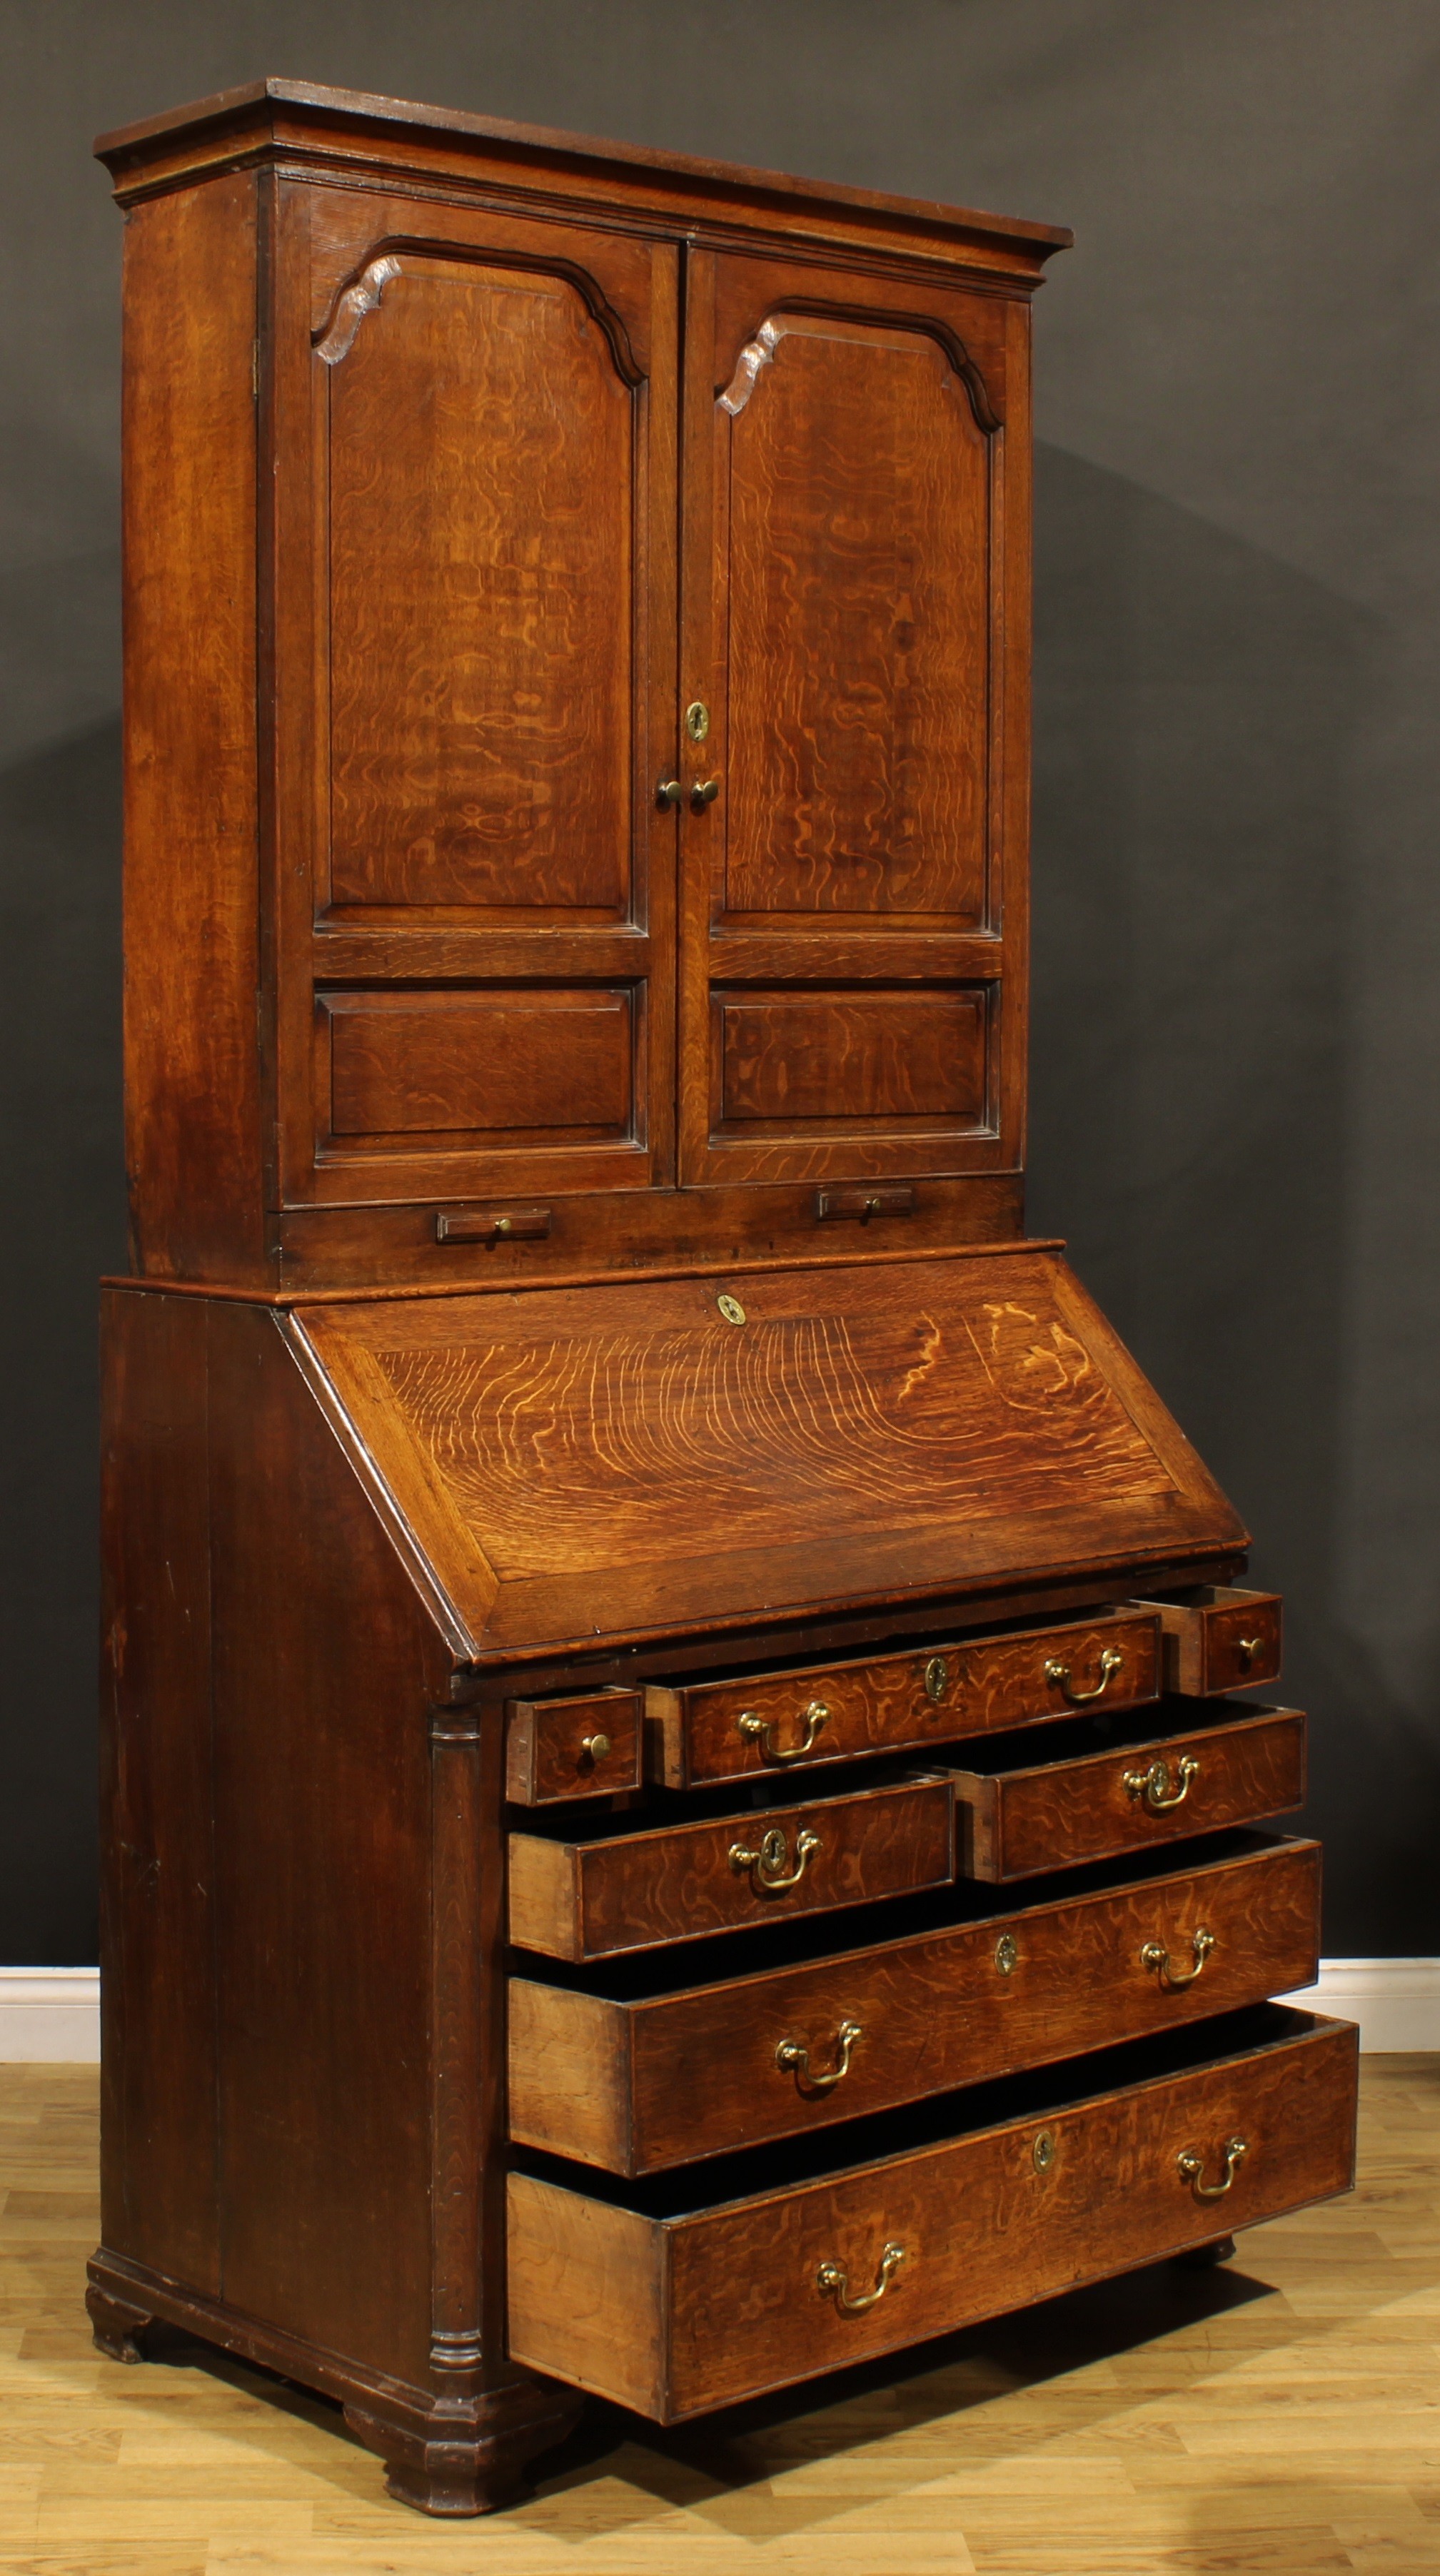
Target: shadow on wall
64, 1194
1198, 706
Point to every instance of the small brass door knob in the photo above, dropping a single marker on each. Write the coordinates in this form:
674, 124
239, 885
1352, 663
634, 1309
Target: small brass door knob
703, 793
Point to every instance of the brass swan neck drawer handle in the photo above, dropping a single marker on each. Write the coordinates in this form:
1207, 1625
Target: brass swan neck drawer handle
767, 1866
1156, 1956
833, 2282
1192, 2167
1154, 1785
792, 2054
761, 1731
1110, 1662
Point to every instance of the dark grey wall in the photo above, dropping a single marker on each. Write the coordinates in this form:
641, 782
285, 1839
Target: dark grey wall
1236, 1103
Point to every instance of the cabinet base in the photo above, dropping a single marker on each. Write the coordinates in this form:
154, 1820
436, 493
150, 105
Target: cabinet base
473, 2462
449, 2456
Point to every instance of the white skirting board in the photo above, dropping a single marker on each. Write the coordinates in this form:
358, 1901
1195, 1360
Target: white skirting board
53, 2014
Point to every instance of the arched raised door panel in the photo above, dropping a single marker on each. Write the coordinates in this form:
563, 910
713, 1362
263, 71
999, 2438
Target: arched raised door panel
845, 631
489, 479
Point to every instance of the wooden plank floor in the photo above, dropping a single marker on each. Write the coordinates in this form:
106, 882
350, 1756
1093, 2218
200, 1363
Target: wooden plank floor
1282, 2415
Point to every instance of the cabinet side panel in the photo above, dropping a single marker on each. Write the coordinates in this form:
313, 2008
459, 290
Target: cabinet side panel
157, 1881
325, 1670
192, 1080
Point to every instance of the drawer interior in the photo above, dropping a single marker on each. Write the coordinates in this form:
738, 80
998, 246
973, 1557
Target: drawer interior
783, 2165
680, 1967
1076, 1739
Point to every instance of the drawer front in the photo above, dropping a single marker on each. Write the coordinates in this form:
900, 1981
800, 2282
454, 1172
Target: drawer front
676, 2316
558, 1749
630, 1892
840, 1712
638, 2087
1220, 1639
1014, 1824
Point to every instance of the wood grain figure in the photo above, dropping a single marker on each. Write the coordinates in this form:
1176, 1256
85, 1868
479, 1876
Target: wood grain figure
589, 1449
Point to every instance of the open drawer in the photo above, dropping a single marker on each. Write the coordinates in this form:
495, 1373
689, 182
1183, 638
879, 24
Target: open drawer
1217, 1637
716, 2284
586, 1892
653, 2061
737, 1728
1029, 1803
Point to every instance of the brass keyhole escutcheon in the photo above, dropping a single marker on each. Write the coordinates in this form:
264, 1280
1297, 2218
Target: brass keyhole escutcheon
697, 720
770, 1871
1043, 2151
731, 1309
937, 1674
1007, 1954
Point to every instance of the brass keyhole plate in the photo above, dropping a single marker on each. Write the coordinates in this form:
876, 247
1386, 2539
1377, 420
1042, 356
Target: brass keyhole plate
697, 720
731, 1309
1043, 2151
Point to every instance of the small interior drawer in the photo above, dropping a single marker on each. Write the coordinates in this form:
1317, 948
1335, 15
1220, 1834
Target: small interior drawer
735, 1730
1017, 1816
661, 2058
1218, 1639
585, 1896
714, 2285
558, 1749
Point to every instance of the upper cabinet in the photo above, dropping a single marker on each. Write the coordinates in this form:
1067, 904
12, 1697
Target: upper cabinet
577, 672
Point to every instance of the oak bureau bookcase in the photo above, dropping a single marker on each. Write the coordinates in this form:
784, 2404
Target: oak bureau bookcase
677, 1810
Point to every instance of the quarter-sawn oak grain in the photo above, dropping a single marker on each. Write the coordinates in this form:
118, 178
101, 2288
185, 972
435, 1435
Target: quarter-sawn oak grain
1048, 1815
629, 1459
677, 2315
639, 2084
577, 812
445, 353
581, 1747
1219, 1638
938, 1694
587, 1900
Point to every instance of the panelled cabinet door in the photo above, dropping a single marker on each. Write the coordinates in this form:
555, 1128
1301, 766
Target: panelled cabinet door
475, 421
852, 669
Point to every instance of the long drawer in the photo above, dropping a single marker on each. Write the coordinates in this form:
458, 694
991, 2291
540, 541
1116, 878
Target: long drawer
676, 2304
1019, 1816
585, 1897
736, 1730
639, 2078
